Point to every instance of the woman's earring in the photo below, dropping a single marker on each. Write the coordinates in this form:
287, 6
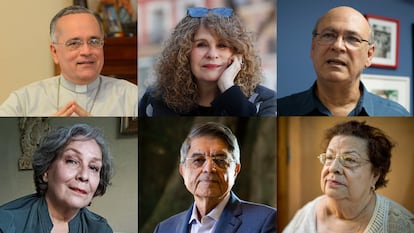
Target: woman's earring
44, 178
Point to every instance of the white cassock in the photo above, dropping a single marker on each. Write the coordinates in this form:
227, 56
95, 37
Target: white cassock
105, 96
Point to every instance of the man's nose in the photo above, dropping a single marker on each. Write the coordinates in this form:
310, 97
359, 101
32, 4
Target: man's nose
209, 165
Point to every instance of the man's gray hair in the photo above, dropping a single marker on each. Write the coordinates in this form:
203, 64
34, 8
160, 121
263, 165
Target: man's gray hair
216, 130
68, 11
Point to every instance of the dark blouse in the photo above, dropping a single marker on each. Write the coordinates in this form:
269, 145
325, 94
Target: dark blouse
231, 102
30, 214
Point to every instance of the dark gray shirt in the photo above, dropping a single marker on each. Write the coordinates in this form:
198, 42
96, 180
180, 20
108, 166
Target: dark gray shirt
30, 214
306, 103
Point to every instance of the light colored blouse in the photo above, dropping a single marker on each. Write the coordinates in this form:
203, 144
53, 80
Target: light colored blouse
388, 217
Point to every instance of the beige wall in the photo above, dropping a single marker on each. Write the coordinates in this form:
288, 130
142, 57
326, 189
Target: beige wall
304, 136
119, 205
24, 47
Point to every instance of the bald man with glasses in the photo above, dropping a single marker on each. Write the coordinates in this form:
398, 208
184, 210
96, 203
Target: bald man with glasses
341, 49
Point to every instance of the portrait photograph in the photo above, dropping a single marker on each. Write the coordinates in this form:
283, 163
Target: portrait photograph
162, 190
386, 39
303, 140
24, 139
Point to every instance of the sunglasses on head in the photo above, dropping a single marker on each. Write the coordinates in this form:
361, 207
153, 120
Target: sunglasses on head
198, 12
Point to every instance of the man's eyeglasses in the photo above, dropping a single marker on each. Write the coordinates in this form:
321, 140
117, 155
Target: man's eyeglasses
351, 41
198, 12
75, 44
346, 160
198, 161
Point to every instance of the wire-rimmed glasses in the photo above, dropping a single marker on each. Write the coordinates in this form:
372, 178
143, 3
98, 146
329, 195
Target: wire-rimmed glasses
199, 160
74, 44
346, 160
198, 12
351, 41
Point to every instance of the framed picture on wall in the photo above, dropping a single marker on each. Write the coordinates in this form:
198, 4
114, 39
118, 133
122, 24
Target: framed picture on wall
386, 38
129, 126
111, 20
396, 88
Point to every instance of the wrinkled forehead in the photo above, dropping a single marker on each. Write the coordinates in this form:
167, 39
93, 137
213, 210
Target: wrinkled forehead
78, 21
344, 20
208, 143
341, 143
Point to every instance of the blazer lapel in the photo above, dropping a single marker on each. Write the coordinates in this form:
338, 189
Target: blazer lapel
229, 221
184, 227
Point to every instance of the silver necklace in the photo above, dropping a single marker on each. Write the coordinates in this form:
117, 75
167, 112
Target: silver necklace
94, 99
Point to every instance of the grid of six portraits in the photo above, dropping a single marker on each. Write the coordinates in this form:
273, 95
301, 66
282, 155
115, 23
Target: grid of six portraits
231, 135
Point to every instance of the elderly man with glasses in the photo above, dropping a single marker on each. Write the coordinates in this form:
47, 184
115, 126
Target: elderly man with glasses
210, 163
341, 49
77, 40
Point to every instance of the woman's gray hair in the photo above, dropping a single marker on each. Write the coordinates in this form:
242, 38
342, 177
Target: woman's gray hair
54, 144
75, 9
216, 130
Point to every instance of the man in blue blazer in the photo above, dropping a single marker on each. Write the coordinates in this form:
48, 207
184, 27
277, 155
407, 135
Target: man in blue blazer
209, 165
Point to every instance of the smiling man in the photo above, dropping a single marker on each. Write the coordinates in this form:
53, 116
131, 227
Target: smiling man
77, 40
210, 163
341, 49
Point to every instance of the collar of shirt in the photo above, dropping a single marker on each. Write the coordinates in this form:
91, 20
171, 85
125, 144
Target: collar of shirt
46, 221
79, 88
316, 108
213, 215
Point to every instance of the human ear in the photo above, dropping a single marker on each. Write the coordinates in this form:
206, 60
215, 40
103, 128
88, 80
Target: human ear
375, 178
181, 169
371, 51
237, 169
53, 53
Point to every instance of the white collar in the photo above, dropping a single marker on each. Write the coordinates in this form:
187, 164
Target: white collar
79, 88
215, 213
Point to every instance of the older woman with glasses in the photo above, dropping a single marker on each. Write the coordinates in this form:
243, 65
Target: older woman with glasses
209, 66
355, 164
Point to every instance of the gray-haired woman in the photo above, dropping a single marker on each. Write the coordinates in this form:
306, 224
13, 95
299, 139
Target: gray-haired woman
71, 166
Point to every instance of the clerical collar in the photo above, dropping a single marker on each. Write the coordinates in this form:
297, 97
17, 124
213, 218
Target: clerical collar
79, 88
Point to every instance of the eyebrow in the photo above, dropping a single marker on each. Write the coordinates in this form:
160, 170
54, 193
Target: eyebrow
198, 39
195, 154
218, 154
78, 38
347, 32
350, 151
94, 159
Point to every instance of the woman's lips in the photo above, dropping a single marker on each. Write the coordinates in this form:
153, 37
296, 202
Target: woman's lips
81, 191
334, 183
211, 66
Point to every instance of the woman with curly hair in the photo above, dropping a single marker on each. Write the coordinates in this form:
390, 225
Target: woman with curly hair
209, 66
